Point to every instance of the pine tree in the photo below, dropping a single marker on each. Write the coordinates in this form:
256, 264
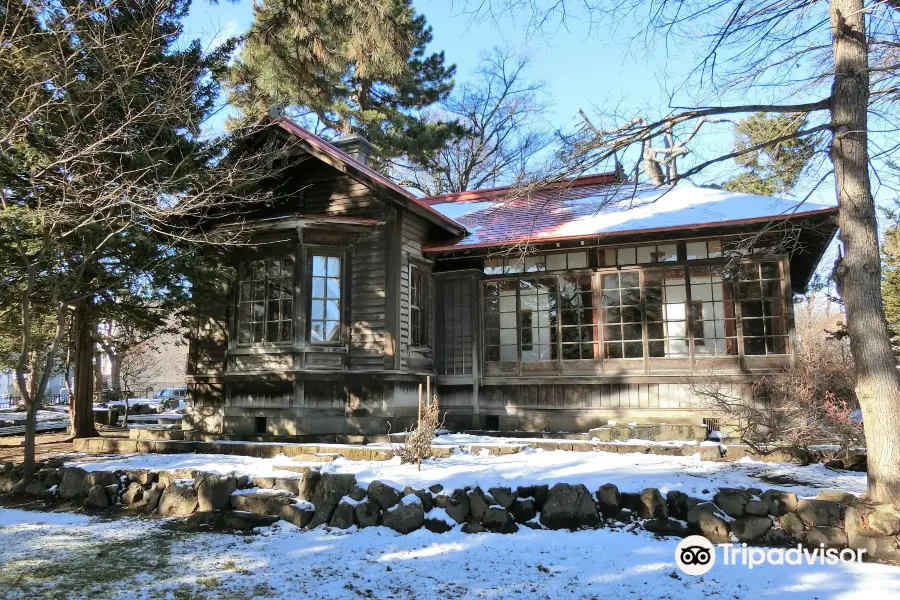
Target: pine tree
354, 66
890, 283
775, 168
890, 254
104, 176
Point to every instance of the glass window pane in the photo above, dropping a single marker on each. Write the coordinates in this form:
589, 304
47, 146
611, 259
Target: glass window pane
626, 256
630, 279
667, 253
332, 310
334, 266
259, 270
696, 250
714, 248
317, 310
754, 346
608, 257
754, 327
646, 254
318, 287
556, 262
631, 331
633, 350
770, 270
534, 263
332, 331
578, 260
319, 266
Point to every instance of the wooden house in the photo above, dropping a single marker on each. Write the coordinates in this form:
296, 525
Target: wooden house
559, 308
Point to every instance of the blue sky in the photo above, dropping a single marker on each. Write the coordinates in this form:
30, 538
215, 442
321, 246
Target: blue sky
593, 71
581, 70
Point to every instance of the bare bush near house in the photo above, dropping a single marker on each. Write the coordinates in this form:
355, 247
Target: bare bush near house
810, 403
417, 445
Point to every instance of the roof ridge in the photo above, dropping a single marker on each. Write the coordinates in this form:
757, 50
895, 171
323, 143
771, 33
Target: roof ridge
475, 195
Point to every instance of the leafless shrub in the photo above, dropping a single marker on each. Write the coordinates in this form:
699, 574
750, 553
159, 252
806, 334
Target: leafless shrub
812, 402
419, 437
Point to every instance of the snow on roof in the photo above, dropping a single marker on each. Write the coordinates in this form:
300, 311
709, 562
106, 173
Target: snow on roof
585, 208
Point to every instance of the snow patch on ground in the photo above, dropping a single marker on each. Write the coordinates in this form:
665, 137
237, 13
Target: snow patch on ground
630, 472
43, 416
54, 560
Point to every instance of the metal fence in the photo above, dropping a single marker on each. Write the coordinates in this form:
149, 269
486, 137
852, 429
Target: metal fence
61, 396
10, 401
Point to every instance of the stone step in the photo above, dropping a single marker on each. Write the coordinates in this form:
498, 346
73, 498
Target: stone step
661, 432
316, 457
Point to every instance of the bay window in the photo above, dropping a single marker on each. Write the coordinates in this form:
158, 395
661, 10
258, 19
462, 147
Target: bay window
265, 301
325, 299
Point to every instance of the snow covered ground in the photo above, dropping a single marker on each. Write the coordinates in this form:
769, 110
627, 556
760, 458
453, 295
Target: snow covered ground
630, 472
73, 556
51, 414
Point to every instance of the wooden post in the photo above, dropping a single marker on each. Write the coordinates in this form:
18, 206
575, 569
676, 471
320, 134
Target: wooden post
419, 429
419, 421
427, 390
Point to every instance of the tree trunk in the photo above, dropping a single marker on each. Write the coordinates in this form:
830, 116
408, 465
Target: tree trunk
83, 402
30, 434
115, 373
858, 271
99, 384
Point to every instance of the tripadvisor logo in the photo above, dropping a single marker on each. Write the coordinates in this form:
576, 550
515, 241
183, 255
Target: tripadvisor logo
696, 555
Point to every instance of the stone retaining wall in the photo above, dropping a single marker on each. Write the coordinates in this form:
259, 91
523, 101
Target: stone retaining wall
312, 498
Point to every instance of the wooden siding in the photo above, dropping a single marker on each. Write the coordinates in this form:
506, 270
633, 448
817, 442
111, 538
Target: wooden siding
414, 233
259, 395
328, 191
649, 395
455, 315
366, 296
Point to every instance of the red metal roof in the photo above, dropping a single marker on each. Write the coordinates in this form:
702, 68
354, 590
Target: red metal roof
339, 155
597, 205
